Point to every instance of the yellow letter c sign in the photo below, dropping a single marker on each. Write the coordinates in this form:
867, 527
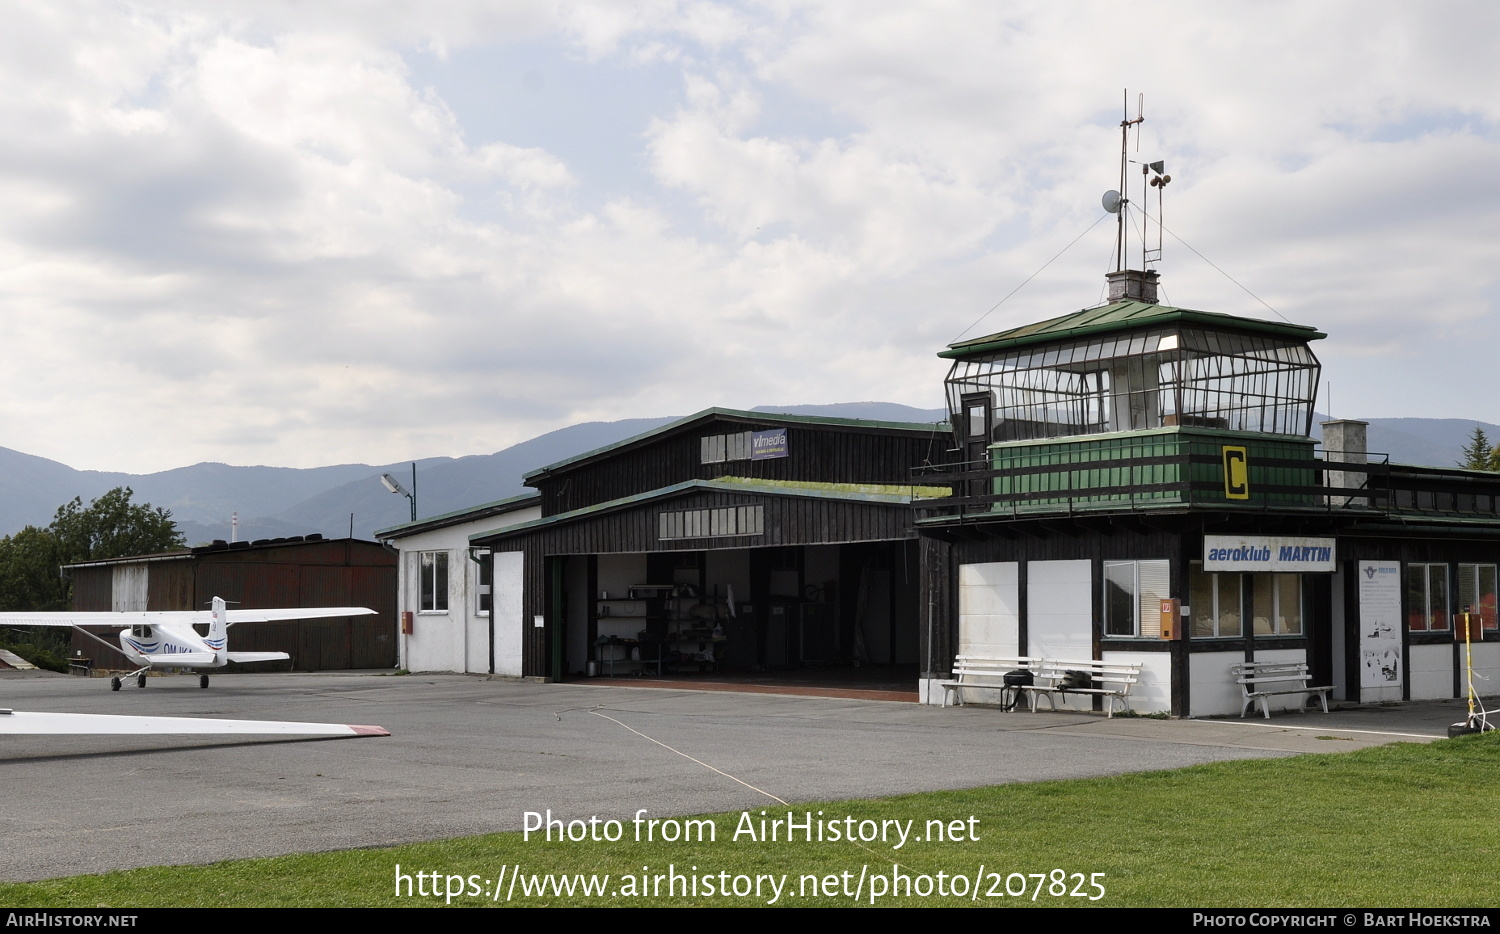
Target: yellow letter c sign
1236, 473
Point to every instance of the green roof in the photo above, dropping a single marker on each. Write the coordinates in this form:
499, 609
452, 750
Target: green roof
740, 415
879, 489
1124, 316
460, 516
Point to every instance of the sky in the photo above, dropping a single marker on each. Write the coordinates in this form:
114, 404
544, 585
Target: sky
303, 234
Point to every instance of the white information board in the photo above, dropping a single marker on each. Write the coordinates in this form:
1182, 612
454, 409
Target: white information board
1380, 630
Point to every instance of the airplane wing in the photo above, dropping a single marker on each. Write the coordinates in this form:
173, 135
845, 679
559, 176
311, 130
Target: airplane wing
76, 619
243, 657
19, 723
158, 617
310, 612
181, 659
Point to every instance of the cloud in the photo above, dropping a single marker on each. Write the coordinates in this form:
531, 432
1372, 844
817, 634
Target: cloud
267, 233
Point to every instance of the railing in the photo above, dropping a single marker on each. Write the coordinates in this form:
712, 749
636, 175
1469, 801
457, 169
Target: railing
1056, 488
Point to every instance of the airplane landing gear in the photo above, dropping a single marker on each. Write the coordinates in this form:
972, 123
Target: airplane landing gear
139, 675
203, 681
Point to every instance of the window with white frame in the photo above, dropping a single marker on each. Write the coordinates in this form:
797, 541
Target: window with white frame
434, 575
716, 449
482, 589
1476, 590
1427, 597
712, 523
1217, 603
1133, 591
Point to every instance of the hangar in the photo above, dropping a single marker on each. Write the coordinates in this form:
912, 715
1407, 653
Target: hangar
726, 541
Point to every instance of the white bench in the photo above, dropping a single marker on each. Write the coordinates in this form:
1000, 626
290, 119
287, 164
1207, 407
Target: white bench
1109, 680
1261, 681
985, 672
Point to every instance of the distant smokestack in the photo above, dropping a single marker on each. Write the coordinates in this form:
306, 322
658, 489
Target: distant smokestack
234, 526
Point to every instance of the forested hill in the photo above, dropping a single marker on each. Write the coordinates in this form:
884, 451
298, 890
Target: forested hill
277, 501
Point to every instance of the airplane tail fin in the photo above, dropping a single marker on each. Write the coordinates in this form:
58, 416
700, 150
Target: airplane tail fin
218, 631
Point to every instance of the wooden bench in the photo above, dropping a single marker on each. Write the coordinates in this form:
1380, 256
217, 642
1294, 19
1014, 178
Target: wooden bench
1261, 681
986, 672
1109, 680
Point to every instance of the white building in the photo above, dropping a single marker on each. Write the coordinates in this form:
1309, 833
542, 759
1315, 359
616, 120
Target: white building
453, 617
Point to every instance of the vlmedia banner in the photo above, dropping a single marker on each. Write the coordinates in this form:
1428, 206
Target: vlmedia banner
1284, 554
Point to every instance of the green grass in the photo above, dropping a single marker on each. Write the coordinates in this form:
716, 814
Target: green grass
1404, 825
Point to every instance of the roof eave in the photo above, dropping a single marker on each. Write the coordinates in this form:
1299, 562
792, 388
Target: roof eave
687, 421
484, 511
1166, 315
134, 559
691, 486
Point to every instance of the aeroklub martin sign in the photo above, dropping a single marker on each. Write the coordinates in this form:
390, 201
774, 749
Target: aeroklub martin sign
1268, 553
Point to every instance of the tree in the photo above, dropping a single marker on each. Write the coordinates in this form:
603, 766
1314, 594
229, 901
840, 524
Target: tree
110, 527
29, 576
113, 527
1479, 453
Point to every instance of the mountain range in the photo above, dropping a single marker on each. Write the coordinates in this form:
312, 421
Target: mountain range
281, 501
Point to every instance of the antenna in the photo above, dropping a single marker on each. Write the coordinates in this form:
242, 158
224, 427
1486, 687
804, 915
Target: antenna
1158, 181
1120, 200
1153, 175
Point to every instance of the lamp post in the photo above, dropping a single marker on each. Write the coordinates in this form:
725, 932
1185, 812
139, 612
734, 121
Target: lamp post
390, 483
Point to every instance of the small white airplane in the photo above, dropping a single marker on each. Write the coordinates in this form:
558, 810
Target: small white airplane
173, 639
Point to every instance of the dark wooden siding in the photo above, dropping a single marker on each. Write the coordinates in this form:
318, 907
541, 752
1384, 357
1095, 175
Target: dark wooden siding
819, 453
1448, 547
92, 589
938, 628
330, 573
169, 585
789, 520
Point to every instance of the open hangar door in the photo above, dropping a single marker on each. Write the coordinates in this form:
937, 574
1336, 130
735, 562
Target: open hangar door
833, 614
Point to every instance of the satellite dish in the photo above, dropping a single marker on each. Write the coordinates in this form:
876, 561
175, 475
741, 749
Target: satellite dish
1111, 201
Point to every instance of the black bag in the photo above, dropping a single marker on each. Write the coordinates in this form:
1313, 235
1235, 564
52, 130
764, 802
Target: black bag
1075, 680
1014, 681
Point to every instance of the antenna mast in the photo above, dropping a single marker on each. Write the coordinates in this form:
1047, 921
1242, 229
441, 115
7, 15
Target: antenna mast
1138, 284
1125, 124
